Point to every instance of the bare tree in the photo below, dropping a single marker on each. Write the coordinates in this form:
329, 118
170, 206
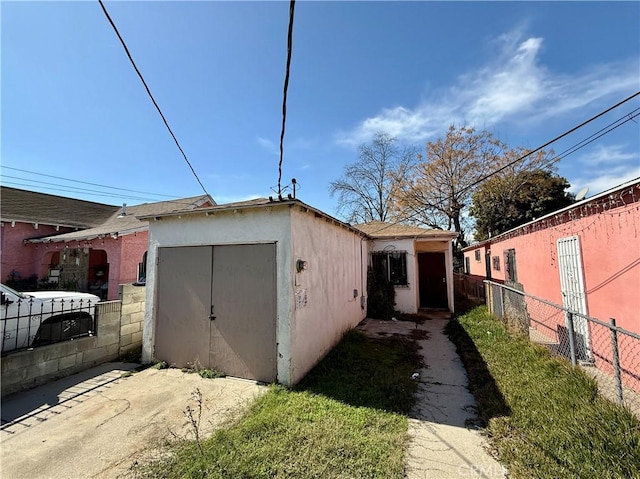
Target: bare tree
367, 188
437, 192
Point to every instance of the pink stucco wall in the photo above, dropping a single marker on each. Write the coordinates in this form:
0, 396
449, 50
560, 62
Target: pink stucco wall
132, 249
18, 256
477, 266
608, 230
123, 254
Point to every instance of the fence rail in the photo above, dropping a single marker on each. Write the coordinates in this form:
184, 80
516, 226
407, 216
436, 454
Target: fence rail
607, 352
31, 322
469, 286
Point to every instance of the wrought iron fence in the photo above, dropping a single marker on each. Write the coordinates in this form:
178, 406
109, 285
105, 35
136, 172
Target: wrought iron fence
604, 350
31, 322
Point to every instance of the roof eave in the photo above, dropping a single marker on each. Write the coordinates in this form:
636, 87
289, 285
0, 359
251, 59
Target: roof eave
438, 237
221, 208
88, 237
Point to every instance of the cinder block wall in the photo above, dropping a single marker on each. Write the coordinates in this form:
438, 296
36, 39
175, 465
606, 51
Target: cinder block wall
132, 317
119, 331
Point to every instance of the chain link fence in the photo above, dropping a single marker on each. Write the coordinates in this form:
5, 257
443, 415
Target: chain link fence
606, 352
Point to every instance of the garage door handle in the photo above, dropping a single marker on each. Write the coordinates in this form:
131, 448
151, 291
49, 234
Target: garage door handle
211, 316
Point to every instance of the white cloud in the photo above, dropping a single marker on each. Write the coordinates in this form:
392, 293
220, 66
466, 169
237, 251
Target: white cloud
603, 167
515, 87
609, 155
268, 145
604, 181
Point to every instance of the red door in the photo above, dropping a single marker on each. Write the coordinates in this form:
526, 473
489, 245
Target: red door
432, 279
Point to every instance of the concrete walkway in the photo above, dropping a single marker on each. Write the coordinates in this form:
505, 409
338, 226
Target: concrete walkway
96, 424
442, 441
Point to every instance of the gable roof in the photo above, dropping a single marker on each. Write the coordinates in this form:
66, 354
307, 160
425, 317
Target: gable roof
32, 207
258, 203
118, 224
382, 230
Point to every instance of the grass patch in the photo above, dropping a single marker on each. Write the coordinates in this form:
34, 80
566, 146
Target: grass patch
545, 419
362, 371
338, 423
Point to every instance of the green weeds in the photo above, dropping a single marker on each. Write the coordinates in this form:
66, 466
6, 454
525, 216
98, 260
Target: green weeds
340, 422
544, 418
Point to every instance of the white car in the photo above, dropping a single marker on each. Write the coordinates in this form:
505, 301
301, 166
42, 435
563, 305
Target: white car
44, 317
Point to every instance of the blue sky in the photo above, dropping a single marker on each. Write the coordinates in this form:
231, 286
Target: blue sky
73, 107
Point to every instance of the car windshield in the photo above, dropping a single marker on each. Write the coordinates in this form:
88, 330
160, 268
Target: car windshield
13, 291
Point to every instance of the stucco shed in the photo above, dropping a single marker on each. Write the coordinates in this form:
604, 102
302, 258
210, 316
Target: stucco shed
259, 289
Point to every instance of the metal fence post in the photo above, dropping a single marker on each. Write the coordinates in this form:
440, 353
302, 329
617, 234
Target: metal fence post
616, 358
572, 338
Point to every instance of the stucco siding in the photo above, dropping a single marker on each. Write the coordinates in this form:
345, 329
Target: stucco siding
327, 295
406, 296
132, 249
25, 259
477, 267
610, 257
607, 228
266, 225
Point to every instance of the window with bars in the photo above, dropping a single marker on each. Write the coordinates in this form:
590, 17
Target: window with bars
496, 263
510, 272
393, 264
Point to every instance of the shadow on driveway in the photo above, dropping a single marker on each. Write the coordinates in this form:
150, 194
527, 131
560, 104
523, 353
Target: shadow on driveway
40, 402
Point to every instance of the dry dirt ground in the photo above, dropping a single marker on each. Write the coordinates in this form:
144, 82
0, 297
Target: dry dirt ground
98, 423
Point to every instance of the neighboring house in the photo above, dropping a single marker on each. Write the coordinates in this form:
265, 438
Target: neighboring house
77, 244
419, 263
27, 214
585, 256
264, 289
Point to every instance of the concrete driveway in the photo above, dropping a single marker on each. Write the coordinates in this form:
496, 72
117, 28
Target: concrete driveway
96, 424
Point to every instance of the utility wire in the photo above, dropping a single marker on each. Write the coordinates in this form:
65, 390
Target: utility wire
84, 191
495, 172
292, 6
83, 182
124, 45
607, 129
591, 138
67, 190
73, 189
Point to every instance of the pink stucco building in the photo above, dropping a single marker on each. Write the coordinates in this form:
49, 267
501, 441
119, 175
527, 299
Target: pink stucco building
593, 244
78, 245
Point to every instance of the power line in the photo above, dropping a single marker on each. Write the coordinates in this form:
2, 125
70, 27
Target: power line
603, 131
66, 190
292, 6
517, 160
83, 182
84, 191
135, 67
71, 188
